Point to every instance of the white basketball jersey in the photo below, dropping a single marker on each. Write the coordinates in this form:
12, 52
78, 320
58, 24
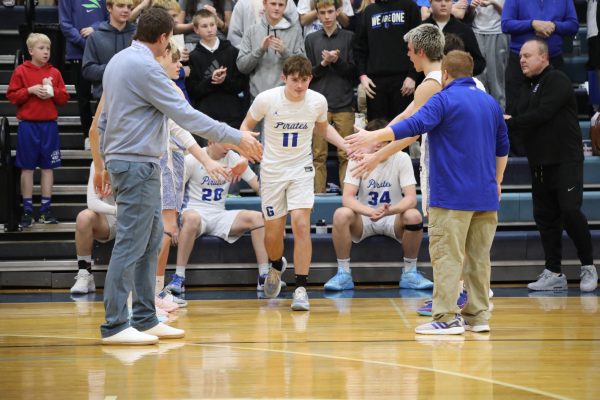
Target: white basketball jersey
385, 183
288, 130
201, 191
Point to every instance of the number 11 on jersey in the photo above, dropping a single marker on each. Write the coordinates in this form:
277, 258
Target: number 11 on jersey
286, 139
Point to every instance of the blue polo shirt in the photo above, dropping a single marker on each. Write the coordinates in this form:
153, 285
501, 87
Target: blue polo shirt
466, 132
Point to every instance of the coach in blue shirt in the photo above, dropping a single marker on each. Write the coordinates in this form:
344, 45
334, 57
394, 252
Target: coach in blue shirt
525, 20
468, 146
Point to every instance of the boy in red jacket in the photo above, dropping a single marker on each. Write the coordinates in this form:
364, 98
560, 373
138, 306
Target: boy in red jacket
36, 88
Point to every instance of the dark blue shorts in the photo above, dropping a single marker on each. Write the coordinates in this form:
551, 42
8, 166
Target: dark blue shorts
38, 145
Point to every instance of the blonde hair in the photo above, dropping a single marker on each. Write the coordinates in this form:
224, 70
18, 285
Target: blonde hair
363, 5
124, 2
35, 38
169, 5
174, 50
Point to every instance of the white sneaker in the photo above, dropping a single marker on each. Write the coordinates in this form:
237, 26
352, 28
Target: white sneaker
165, 332
548, 280
84, 283
130, 336
476, 328
86, 144
300, 302
589, 278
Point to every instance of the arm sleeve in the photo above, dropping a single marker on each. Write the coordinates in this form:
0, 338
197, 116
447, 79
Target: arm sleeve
65, 18
60, 90
159, 91
235, 80
94, 202
91, 68
296, 45
427, 118
248, 57
291, 12
406, 172
181, 134
552, 99
502, 143
349, 178
197, 85
235, 31
569, 25
17, 92
259, 107
361, 46
472, 47
510, 22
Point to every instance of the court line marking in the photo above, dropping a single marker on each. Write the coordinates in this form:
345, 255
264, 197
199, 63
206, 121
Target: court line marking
400, 313
390, 364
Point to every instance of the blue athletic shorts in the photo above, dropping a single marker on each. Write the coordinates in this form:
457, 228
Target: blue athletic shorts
38, 145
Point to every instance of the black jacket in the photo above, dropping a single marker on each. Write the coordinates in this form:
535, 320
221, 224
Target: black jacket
220, 102
465, 32
379, 46
546, 120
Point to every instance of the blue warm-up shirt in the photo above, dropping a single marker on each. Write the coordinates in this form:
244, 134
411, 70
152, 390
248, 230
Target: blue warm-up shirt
517, 16
466, 133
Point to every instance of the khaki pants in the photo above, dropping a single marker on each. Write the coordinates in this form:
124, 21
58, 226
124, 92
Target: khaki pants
458, 238
344, 124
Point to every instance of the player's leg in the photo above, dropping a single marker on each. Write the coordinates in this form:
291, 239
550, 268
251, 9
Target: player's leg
302, 256
190, 228
254, 222
275, 208
346, 225
274, 235
409, 227
89, 225
163, 297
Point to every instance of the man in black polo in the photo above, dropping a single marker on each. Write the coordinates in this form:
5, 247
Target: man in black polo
546, 122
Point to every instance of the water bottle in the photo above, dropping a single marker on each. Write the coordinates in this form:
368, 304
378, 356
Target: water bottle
321, 228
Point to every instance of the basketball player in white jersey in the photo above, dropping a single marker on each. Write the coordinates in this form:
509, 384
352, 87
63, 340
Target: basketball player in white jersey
291, 114
204, 210
384, 203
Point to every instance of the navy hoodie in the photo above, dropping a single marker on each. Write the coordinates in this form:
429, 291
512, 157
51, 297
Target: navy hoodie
101, 46
75, 15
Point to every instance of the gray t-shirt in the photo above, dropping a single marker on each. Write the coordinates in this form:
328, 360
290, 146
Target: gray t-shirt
487, 20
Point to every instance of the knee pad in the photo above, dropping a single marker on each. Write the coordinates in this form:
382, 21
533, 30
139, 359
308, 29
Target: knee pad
414, 227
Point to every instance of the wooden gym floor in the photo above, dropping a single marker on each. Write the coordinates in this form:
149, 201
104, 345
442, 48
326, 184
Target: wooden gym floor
359, 346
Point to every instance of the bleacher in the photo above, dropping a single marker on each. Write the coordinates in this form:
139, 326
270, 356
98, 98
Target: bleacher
44, 256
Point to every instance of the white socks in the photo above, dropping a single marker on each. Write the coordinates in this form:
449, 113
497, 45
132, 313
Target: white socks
263, 269
410, 264
85, 258
344, 263
180, 270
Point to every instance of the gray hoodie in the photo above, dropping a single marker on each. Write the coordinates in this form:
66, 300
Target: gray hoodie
265, 66
248, 12
100, 47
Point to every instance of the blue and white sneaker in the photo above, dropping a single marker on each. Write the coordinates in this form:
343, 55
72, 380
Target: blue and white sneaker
177, 284
452, 327
300, 301
414, 280
260, 285
425, 309
272, 285
342, 280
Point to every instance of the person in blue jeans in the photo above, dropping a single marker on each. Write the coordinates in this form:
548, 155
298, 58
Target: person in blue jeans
139, 96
